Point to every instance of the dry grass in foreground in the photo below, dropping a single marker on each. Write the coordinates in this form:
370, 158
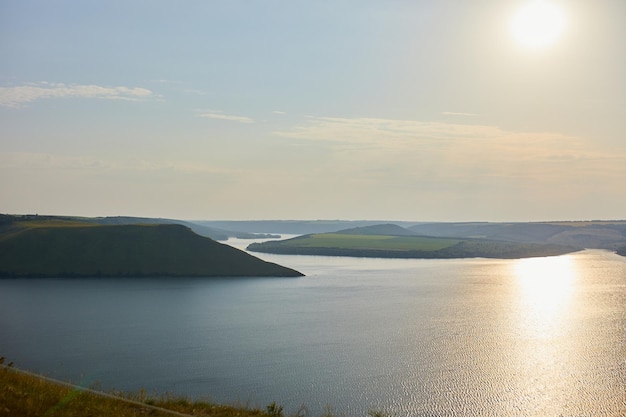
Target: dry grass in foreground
26, 395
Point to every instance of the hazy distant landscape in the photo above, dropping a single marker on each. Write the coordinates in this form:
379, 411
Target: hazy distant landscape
56, 246
479, 238
390, 241
581, 234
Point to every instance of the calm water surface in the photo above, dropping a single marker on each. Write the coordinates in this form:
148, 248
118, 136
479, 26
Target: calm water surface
534, 337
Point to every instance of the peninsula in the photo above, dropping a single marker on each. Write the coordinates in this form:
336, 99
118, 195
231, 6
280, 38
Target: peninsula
393, 241
73, 247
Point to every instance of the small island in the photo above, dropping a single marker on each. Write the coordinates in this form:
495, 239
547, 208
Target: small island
392, 241
73, 247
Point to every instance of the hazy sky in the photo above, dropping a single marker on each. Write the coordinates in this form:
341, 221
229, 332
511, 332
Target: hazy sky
342, 109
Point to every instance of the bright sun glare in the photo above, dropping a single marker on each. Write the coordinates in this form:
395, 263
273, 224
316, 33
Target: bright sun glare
546, 285
538, 24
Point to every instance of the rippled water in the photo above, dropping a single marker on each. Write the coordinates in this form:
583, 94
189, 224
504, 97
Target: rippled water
534, 337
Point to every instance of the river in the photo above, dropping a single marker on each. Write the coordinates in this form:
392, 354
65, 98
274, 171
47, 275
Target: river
409, 337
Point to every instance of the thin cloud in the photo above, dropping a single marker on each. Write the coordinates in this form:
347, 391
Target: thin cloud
20, 96
279, 112
165, 81
179, 166
453, 150
454, 113
384, 132
227, 117
42, 161
38, 161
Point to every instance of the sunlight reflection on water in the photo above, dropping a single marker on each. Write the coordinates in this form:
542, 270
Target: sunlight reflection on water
558, 345
545, 289
545, 298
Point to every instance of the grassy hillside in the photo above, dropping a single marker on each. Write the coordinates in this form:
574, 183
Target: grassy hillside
584, 234
68, 248
344, 240
27, 395
386, 229
386, 246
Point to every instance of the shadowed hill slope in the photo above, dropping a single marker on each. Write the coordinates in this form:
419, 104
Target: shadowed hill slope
74, 249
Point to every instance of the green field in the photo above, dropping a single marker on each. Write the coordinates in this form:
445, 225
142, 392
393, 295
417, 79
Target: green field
358, 243
347, 241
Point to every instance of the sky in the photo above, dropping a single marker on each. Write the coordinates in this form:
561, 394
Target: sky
344, 109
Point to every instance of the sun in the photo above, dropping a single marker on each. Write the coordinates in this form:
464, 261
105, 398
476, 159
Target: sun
538, 24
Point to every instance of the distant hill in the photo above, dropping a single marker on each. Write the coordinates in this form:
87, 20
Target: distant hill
387, 229
373, 242
63, 247
584, 234
581, 234
293, 227
207, 231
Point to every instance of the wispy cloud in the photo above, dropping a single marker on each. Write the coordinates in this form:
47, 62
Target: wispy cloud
185, 167
379, 131
460, 152
228, 117
49, 162
279, 112
19, 96
46, 161
165, 81
454, 113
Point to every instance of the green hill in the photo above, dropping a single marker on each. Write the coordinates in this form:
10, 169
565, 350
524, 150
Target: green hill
387, 229
582, 234
68, 248
348, 243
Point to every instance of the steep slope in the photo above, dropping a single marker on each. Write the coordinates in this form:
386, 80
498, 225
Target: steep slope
126, 250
